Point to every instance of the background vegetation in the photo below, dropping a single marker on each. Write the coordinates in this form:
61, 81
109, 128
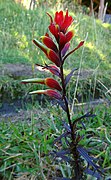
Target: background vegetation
22, 145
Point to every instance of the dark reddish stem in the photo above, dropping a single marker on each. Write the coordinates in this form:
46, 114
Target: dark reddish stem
64, 96
76, 166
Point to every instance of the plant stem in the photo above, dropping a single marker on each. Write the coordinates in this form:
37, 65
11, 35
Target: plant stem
73, 146
65, 98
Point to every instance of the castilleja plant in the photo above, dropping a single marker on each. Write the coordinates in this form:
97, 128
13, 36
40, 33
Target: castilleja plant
57, 51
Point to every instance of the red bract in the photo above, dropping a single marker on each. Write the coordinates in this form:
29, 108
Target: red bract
64, 38
54, 70
53, 84
54, 29
49, 43
69, 35
48, 92
52, 55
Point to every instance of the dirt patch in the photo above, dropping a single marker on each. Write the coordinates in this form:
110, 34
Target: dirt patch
85, 74
21, 115
25, 115
16, 70
19, 70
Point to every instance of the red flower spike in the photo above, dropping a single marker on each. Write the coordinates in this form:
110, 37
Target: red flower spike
49, 43
48, 92
52, 84
65, 49
60, 24
53, 57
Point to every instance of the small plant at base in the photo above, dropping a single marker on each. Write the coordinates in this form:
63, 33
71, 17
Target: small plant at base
57, 53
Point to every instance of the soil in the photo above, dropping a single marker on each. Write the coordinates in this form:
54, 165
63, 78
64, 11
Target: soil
20, 70
16, 70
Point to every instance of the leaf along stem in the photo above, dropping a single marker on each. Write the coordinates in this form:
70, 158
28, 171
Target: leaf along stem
80, 44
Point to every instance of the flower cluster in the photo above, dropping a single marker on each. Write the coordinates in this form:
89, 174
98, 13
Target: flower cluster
55, 50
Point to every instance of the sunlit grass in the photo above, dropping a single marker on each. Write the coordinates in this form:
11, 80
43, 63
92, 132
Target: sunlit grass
19, 26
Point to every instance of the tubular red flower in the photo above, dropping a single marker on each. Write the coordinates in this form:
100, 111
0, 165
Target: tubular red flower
48, 92
49, 43
53, 57
54, 29
62, 40
40, 45
52, 83
63, 21
59, 18
67, 22
49, 52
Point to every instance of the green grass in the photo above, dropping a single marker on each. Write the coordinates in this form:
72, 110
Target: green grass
23, 145
18, 27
